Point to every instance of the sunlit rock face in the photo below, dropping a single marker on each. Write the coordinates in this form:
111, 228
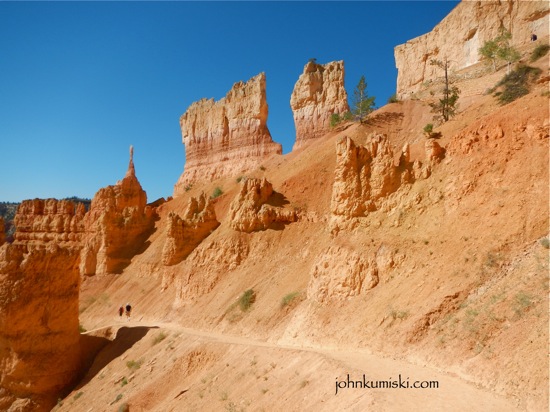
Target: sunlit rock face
317, 95
226, 137
459, 36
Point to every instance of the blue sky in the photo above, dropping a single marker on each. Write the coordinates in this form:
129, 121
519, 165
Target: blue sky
81, 81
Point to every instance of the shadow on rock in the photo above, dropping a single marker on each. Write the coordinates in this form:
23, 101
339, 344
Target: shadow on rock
108, 350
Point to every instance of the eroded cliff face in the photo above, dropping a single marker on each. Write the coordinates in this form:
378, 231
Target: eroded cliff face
184, 235
2, 231
227, 137
318, 93
117, 225
459, 36
366, 177
39, 289
250, 210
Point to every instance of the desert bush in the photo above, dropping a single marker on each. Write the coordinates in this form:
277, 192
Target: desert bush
159, 338
545, 243
134, 365
428, 129
216, 193
516, 83
247, 299
289, 299
540, 50
78, 395
335, 120
81, 328
393, 99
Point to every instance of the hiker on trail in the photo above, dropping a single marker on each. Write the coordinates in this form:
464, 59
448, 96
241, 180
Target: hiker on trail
128, 311
120, 310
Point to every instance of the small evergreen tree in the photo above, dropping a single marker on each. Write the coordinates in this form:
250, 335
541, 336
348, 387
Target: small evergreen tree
446, 107
363, 104
499, 48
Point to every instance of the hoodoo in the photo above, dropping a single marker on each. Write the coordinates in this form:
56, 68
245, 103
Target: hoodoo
226, 137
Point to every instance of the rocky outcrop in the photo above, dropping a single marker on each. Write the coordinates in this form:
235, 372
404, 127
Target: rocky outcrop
39, 289
318, 93
117, 226
366, 176
341, 273
40, 221
250, 210
227, 137
184, 235
460, 35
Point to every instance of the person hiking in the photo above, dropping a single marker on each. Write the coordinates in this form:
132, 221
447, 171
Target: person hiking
120, 311
128, 311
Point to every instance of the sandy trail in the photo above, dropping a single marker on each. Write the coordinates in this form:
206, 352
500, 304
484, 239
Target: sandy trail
452, 394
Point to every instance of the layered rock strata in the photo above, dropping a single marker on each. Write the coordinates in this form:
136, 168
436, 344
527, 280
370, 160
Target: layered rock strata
38, 221
184, 235
250, 210
117, 226
459, 36
318, 93
227, 137
39, 289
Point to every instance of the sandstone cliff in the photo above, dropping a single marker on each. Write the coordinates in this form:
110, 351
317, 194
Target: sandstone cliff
49, 220
39, 289
318, 93
117, 225
250, 210
226, 137
183, 235
460, 35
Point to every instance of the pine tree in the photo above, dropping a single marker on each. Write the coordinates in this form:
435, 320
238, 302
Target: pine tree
447, 105
363, 104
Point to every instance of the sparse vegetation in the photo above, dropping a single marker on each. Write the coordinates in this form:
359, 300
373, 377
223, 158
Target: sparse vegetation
124, 407
523, 302
216, 193
78, 395
428, 129
446, 107
540, 50
516, 84
363, 104
545, 243
399, 314
393, 99
304, 383
81, 328
118, 397
289, 299
247, 299
159, 338
240, 178
262, 168
188, 187
499, 49
134, 365
223, 396
124, 381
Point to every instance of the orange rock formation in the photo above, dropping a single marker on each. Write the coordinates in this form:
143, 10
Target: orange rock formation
226, 137
183, 235
117, 225
250, 210
318, 93
39, 289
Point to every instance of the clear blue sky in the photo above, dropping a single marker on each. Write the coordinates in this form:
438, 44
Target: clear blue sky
81, 81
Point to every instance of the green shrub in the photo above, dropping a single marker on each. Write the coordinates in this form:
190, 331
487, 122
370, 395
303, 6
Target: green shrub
216, 193
78, 395
335, 119
134, 365
393, 99
81, 328
516, 84
545, 243
159, 338
540, 50
428, 129
247, 299
288, 299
